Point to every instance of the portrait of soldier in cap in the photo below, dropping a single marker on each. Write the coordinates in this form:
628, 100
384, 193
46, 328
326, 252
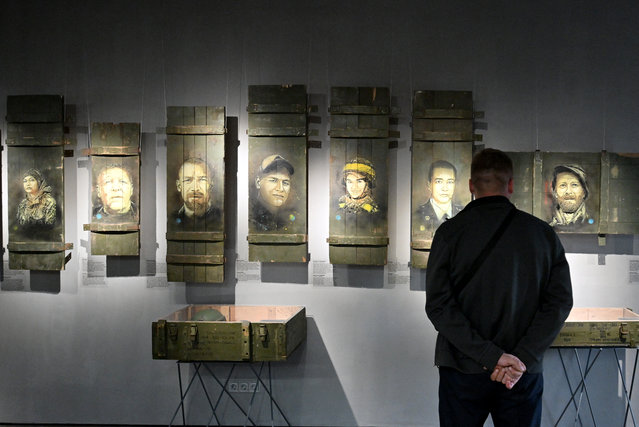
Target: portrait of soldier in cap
442, 178
569, 192
195, 185
114, 190
271, 207
358, 180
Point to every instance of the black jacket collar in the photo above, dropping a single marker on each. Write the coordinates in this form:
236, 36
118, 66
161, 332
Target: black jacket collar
482, 201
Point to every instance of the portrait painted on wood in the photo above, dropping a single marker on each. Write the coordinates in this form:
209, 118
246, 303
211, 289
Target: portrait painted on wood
35, 193
277, 185
195, 187
571, 191
440, 184
115, 189
358, 180
38, 207
441, 204
359, 188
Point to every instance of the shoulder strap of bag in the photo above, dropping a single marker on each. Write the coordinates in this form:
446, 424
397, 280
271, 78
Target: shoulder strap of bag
485, 252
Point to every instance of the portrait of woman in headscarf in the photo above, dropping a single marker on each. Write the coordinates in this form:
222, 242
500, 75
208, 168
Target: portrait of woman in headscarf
358, 180
38, 207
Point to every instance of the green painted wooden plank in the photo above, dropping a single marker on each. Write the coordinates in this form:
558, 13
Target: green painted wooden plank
442, 104
278, 253
35, 109
35, 134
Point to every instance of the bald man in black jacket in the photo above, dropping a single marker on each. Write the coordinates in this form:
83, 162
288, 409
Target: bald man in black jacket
496, 322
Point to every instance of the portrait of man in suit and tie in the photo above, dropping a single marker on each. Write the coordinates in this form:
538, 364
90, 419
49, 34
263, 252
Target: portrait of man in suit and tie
442, 179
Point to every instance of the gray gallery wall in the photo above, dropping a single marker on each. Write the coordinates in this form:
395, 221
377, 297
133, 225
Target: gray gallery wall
75, 346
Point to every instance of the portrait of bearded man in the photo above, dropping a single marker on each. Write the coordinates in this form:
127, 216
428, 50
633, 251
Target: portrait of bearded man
570, 192
195, 186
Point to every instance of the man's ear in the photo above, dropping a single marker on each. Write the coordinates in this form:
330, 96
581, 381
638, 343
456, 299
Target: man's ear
257, 183
511, 186
97, 191
471, 187
178, 185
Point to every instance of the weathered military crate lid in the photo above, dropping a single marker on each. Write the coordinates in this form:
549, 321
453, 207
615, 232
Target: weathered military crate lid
35, 108
229, 333
277, 99
360, 100
599, 327
443, 104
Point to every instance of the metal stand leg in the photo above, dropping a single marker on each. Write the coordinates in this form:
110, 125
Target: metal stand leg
224, 390
581, 386
625, 390
183, 394
270, 392
632, 383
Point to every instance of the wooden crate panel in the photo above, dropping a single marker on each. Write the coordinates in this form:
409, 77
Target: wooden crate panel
442, 104
523, 168
115, 243
277, 173
31, 134
277, 99
115, 135
196, 120
278, 252
35, 109
599, 327
49, 261
359, 201
36, 208
360, 100
443, 130
619, 195
115, 189
280, 124
419, 257
358, 255
229, 333
195, 194
359, 126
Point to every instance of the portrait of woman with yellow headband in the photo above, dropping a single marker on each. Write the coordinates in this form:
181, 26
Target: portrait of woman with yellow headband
358, 178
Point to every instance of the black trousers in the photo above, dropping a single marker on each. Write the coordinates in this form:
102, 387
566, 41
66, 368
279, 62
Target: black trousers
467, 399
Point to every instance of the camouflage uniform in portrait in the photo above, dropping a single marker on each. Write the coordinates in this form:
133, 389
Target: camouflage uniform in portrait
358, 179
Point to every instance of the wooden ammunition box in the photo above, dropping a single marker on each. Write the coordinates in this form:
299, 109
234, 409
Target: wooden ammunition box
599, 327
244, 334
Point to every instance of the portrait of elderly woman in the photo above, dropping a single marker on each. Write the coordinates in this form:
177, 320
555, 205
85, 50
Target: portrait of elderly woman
38, 207
358, 179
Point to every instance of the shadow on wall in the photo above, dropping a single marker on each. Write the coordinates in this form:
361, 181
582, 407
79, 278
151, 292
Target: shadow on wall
418, 279
358, 276
284, 272
306, 388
